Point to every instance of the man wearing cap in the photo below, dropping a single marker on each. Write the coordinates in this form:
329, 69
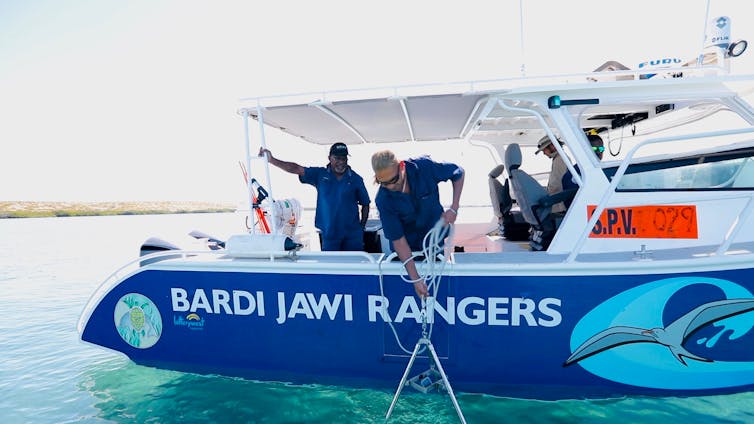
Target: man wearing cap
339, 190
558, 169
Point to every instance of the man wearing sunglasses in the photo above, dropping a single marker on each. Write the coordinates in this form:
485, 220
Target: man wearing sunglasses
339, 192
598, 147
409, 202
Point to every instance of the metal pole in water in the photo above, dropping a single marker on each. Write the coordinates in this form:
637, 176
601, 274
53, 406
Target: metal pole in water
425, 341
447, 382
403, 380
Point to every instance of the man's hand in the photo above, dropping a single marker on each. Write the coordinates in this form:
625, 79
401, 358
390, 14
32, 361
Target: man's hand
421, 289
450, 215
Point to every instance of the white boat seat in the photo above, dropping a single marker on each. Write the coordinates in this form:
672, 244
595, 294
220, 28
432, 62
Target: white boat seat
512, 224
534, 201
501, 201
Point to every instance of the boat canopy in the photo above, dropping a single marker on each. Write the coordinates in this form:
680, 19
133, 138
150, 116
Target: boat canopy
419, 118
474, 110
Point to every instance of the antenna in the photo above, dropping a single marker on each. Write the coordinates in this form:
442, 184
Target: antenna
521, 36
700, 60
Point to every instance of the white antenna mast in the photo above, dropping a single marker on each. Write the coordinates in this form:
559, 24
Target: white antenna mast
700, 60
521, 36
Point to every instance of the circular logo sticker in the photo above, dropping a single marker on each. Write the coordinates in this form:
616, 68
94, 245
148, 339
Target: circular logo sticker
138, 320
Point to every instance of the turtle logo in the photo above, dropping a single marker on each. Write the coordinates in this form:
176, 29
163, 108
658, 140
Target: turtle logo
137, 320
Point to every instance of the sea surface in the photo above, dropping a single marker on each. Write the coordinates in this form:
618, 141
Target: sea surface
50, 266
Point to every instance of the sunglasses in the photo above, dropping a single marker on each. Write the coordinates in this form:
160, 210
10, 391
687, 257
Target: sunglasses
600, 149
390, 181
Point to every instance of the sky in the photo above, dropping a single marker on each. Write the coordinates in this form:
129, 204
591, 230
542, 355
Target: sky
136, 100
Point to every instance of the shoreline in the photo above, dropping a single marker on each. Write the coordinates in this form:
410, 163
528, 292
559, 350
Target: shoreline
33, 209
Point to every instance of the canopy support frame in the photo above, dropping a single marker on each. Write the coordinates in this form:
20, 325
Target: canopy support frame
321, 106
410, 126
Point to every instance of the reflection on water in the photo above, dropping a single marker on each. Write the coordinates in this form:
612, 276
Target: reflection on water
124, 392
128, 393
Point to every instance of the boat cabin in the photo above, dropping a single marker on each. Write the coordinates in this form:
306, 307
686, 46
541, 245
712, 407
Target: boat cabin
676, 171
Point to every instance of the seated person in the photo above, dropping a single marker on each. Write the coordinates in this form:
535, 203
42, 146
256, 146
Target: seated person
557, 170
599, 149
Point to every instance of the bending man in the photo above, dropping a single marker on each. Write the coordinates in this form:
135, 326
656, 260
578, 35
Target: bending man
409, 202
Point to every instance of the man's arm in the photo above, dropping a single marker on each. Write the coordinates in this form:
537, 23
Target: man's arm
404, 252
291, 167
451, 214
364, 215
362, 197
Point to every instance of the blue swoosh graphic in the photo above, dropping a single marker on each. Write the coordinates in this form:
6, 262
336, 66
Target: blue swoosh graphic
651, 365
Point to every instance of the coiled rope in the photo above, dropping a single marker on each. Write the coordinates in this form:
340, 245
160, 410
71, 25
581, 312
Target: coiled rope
432, 250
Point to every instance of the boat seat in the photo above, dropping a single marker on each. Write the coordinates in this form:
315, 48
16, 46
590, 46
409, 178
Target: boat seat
512, 224
534, 201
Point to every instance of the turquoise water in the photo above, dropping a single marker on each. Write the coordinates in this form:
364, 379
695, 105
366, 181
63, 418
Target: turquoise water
50, 267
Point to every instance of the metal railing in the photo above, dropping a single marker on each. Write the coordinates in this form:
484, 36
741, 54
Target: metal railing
734, 230
120, 273
146, 260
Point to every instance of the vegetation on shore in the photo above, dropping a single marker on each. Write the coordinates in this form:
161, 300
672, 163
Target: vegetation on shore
28, 209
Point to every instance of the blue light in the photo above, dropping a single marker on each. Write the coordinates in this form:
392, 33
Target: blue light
553, 102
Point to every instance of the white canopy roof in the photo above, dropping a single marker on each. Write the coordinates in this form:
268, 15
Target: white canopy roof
378, 120
452, 111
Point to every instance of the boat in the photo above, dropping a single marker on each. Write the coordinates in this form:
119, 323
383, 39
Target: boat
644, 285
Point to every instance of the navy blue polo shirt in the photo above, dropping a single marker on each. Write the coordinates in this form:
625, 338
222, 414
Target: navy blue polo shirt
413, 214
567, 180
337, 213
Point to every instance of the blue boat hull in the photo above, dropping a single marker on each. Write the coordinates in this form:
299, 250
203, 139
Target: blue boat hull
540, 337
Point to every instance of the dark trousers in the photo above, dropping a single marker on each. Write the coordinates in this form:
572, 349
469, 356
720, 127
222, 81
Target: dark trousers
345, 243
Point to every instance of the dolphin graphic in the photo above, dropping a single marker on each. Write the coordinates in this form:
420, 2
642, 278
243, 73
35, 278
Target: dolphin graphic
673, 336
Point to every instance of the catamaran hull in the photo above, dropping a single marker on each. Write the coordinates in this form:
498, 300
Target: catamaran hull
526, 336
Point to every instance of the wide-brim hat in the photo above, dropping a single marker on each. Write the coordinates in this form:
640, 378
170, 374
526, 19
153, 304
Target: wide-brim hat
542, 144
339, 149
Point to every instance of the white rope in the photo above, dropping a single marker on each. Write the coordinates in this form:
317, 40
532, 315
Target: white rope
432, 249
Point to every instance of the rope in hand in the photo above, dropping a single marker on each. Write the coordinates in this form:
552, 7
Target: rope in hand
435, 258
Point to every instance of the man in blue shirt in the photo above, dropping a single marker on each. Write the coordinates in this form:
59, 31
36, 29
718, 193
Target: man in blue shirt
409, 202
598, 147
339, 191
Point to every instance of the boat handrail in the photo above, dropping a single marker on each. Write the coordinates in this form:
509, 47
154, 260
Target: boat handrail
115, 275
733, 231
183, 254
299, 254
550, 134
601, 205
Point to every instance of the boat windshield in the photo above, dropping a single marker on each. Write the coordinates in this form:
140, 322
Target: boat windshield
693, 163
732, 172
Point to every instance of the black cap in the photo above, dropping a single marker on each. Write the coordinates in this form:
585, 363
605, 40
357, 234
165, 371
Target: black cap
339, 149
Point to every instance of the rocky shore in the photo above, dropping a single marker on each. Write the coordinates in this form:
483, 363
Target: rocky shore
31, 209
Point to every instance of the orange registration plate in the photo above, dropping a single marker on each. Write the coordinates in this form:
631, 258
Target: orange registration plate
666, 221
